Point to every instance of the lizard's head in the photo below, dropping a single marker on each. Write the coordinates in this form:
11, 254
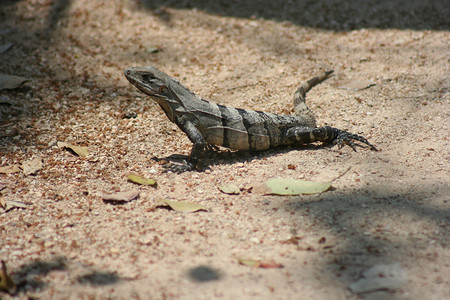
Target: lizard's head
151, 81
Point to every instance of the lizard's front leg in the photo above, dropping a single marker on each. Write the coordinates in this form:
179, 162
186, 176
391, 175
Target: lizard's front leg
198, 149
325, 134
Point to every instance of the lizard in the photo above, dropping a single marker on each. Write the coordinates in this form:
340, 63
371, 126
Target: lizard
210, 124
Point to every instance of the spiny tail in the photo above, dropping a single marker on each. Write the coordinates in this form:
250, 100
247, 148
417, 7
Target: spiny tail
300, 94
300, 107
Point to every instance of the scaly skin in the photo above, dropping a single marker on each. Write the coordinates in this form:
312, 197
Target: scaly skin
206, 123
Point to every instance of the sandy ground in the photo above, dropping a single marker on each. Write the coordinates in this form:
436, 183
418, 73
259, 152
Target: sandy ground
391, 208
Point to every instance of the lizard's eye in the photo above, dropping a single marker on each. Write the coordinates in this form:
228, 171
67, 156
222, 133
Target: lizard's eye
148, 77
162, 89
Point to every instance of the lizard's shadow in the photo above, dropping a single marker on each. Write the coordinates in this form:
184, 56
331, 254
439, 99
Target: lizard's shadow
224, 156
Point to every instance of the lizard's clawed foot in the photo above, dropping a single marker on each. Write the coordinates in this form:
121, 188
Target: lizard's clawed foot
347, 138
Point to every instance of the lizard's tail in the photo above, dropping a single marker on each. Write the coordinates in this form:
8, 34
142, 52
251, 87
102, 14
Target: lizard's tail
300, 107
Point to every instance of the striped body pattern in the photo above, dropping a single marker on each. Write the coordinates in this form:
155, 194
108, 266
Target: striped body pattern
240, 129
245, 129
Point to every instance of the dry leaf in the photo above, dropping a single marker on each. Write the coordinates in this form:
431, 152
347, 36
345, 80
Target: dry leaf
182, 206
78, 150
6, 283
230, 189
121, 196
10, 81
141, 180
289, 186
31, 167
9, 169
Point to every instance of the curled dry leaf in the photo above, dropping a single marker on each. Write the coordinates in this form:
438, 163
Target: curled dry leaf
141, 180
78, 150
182, 206
289, 186
6, 283
121, 196
10, 81
230, 188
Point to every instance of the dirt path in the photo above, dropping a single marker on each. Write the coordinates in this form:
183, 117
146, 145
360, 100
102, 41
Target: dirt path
391, 208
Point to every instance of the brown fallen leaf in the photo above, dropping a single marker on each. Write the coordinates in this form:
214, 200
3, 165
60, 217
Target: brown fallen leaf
121, 196
6, 282
9, 169
78, 150
182, 206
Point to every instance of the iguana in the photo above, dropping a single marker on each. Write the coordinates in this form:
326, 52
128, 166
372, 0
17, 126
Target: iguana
206, 123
